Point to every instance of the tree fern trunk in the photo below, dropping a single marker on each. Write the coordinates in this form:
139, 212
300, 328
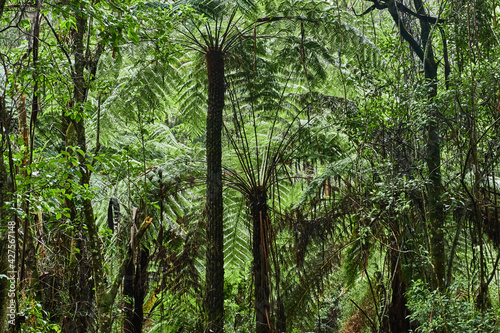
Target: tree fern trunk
141, 286
135, 288
214, 297
260, 251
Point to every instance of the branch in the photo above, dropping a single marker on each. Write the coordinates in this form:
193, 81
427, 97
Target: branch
369, 10
115, 6
376, 5
447, 67
364, 313
429, 19
60, 44
394, 8
404, 33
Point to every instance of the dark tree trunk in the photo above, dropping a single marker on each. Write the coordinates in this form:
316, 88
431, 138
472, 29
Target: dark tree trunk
281, 317
135, 288
104, 297
128, 292
2, 6
214, 297
79, 318
397, 320
260, 252
141, 286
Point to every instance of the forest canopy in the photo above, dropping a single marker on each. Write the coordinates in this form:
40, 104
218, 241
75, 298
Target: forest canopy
249, 166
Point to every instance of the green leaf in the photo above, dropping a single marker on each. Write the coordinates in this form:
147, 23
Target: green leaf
132, 34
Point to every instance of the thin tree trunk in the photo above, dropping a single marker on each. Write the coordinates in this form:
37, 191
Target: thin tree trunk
482, 299
434, 191
2, 6
28, 267
128, 292
433, 157
80, 295
214, 298
104, 296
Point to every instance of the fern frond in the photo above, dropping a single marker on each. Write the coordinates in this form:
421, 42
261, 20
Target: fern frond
341, 167
237, 238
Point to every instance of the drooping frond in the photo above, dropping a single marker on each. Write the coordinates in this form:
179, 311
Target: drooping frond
299, 296
343, 166
192, 96
237, 226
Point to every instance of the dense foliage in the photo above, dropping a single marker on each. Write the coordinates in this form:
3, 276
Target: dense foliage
249, 166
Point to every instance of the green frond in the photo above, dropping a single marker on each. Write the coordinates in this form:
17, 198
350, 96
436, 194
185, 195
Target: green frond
192, 107
342, 167
297, 289
355, 259
237, 238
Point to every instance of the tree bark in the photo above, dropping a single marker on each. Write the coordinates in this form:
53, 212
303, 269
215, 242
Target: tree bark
135, 288
260, 252
80, 289
214, 298
141, 286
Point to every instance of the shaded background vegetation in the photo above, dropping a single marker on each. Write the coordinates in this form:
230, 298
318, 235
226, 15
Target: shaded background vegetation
358, 163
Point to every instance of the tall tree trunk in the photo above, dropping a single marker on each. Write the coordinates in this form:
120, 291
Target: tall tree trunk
425, 53
80, 289
28, 266
433, 157
104, 296
260, 252
477, 198
214, 298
